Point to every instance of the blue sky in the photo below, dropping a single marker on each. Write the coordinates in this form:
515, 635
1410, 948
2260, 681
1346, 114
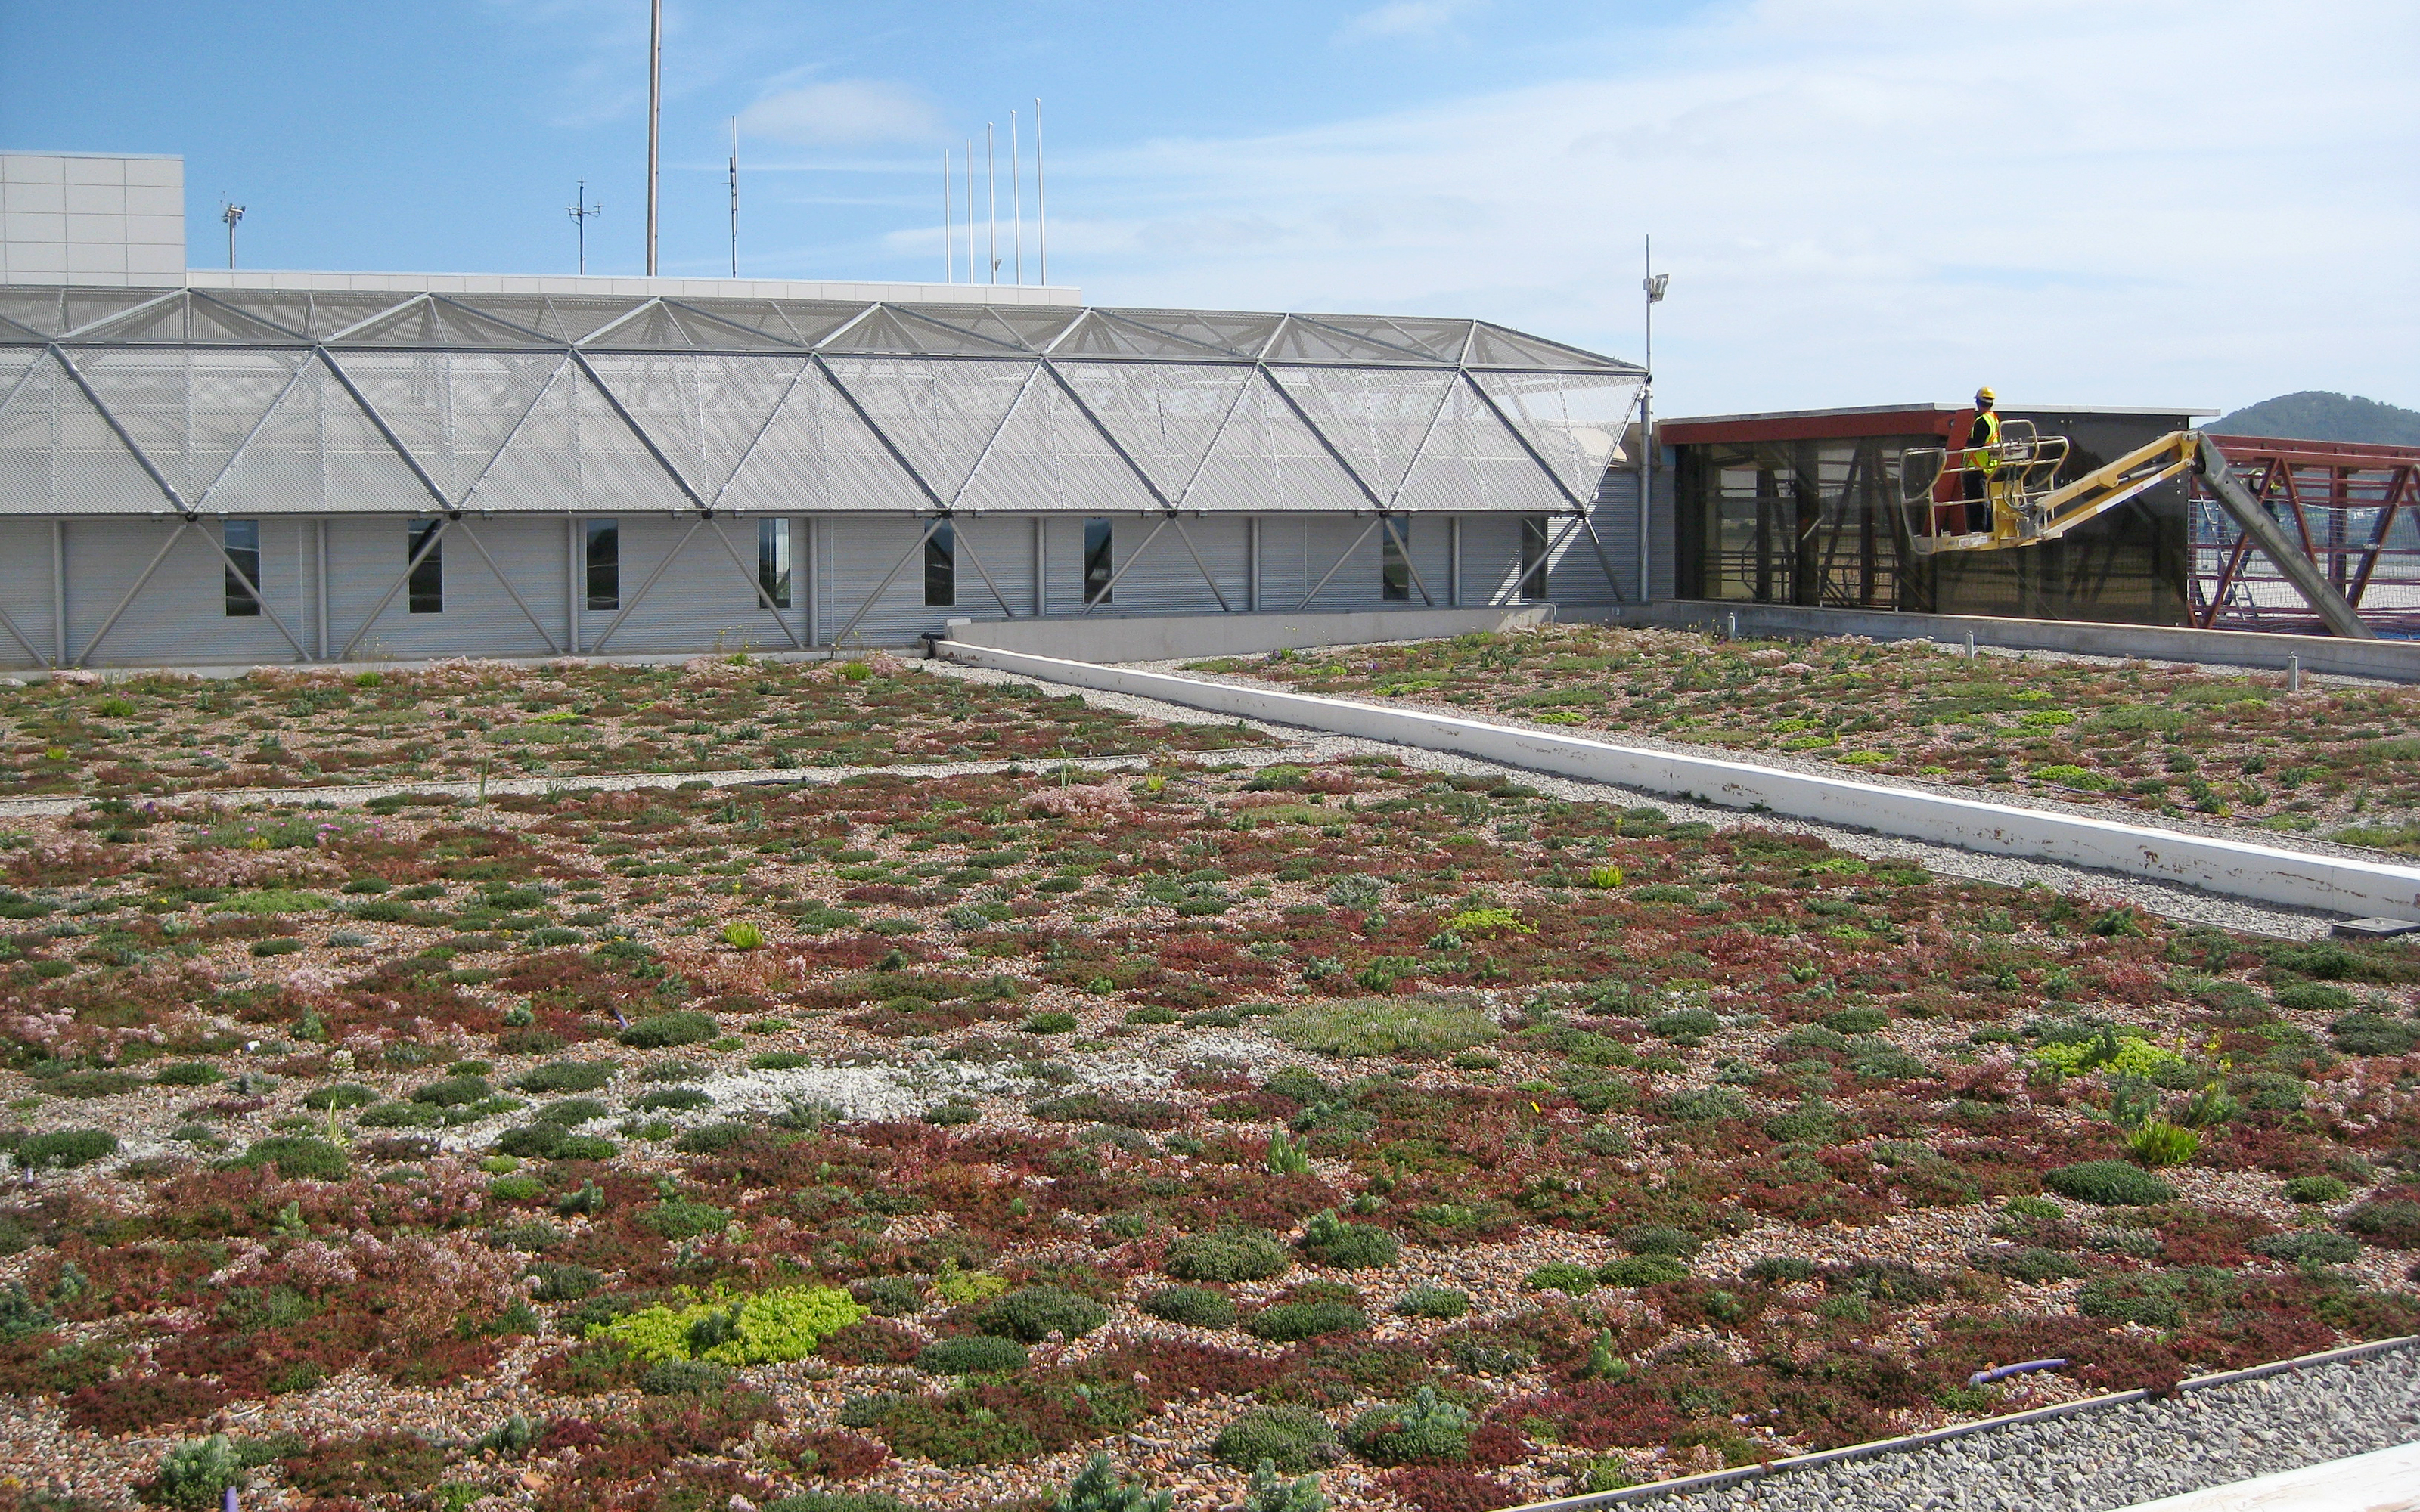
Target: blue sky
1861, 201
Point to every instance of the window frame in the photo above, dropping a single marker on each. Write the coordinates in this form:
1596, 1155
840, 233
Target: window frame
775, 568
242, 601
593, 533
941, 567
1394, 560
1100, 559
424, 589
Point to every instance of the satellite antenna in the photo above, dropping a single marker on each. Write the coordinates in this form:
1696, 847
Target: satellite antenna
230, 212
580, 210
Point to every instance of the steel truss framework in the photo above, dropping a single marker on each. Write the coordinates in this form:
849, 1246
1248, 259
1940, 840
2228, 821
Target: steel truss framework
248, 403
2354, 509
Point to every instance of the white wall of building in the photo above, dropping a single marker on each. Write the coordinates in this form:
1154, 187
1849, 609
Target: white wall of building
91, 218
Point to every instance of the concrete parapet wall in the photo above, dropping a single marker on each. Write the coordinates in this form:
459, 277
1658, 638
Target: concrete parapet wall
2238, 868
2395, 661
1161, 637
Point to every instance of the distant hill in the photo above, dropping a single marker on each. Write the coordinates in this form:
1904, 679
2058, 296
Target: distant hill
2313, 415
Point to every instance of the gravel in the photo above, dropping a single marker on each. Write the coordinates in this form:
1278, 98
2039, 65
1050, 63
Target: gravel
2092, 1461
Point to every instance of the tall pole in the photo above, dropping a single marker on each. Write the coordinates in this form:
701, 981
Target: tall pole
1040, 204
230, 212
655, 118
991, 199
970, 210
735, 196
1653, 285
949, 222
1016, 197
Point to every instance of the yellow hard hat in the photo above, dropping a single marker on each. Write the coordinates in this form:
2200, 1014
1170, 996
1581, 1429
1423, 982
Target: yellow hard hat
1985, 395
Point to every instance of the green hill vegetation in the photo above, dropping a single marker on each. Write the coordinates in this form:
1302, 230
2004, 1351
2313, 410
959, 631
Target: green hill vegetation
2315, 415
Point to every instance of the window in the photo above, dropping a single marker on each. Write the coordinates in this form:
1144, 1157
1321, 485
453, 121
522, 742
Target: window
1394, 568
243, 567
604, 564
941, 565
1533, 556
428, 575
773, 559
1098, 570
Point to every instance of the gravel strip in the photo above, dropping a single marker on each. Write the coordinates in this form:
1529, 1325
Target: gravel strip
2092, 1461
2166, 899
624, 781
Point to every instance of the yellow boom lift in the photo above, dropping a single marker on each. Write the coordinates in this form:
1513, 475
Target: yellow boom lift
2029, 505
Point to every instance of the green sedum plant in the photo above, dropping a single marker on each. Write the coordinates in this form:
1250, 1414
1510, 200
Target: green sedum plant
1427, 1429
1287, 1437
1097, 1488
784, 1323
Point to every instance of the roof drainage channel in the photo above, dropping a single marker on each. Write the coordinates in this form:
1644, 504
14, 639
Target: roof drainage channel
2236, 869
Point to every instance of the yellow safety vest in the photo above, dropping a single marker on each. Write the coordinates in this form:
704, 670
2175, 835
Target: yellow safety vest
1979, 457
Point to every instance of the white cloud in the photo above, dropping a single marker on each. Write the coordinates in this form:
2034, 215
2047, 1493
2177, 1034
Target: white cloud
844, 111
1405, 18
1860, 201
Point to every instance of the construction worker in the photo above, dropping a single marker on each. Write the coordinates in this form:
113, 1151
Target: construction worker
1982, 436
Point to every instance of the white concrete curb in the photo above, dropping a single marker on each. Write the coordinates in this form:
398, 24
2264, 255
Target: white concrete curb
2236, 869
2387, 1480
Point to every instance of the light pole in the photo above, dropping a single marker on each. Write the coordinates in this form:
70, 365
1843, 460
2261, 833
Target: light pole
655, 118
230, 212
1653, 285
580, 210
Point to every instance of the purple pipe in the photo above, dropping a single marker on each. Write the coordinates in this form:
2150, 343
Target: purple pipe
1982, 1377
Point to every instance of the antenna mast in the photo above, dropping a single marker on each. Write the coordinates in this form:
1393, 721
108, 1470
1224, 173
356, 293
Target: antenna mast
1041, 205
1016, 197
1653, 285
949, 223
230, 212
991, 199
655, 118
735, 196
580, 211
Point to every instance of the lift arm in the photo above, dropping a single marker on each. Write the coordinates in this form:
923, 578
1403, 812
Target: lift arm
2023, 518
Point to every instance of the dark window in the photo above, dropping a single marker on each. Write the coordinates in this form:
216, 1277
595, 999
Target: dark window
1394, 568
1099, 569
773, 559
428, 575
604, 564
243, 566
941, 567
1533, 556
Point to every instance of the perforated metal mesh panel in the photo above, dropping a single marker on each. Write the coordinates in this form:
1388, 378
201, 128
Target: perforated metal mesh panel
269, 402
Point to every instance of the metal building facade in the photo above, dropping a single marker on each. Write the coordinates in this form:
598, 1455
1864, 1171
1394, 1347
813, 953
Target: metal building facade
222, 475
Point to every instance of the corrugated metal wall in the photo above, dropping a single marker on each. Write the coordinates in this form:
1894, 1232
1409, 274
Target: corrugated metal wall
703, 601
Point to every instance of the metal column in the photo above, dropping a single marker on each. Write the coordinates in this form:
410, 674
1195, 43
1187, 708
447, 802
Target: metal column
58, 592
